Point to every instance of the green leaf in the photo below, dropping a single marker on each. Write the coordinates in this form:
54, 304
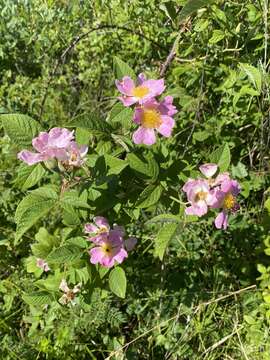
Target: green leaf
137, 164
253, 74
165, 234
144, 166
150, 196
29, 176
217, 36
37, 298
45, 243
20, 128
267, 205
78, 241
72, 198
192, 6
165, 218
65, 253
121, 114
222, 157
239, 170
122, 69
201, 135
91, 122
116, 165
118, 282
33, 207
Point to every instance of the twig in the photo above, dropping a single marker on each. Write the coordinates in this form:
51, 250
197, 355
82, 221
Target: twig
171, 56
220, 342
75, 41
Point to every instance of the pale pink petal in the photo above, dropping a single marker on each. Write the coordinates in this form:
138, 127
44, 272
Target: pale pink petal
121, 255
77, 288
107, 261
46, 267
30, 158
141, 79
167, 125
101, 221
156, 87
125, 86
97, 255
128, 100
199, 209
130, 243
220, 178
188, 185
90, 228
41, 142
221, 220
63, 286
83, 150
144, 136
138, 115
60, 137
208, 170
166, 106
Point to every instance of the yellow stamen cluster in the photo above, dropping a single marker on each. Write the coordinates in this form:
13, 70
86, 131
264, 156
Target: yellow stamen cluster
229, 201
151, 119
140, 91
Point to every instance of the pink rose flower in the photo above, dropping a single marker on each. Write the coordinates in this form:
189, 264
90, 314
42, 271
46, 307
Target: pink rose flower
75, 155
140, 92
111, 247
97, 230
226, 199
48, 145
199, 195
151, 117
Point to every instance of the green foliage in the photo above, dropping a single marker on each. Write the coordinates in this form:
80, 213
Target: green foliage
118, 282
174, 296
21, 129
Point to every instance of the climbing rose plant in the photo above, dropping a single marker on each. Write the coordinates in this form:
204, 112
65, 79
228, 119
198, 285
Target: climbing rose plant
111, 181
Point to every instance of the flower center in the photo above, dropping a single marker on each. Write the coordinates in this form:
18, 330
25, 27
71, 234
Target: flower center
73, 157
201, 195
140, 91
151, 119
107, 248
102, 229
229, 201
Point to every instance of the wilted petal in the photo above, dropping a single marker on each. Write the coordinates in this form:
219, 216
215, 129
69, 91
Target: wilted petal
63, 286
130, 243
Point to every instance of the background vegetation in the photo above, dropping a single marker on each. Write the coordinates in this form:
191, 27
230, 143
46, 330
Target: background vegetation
208, 296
